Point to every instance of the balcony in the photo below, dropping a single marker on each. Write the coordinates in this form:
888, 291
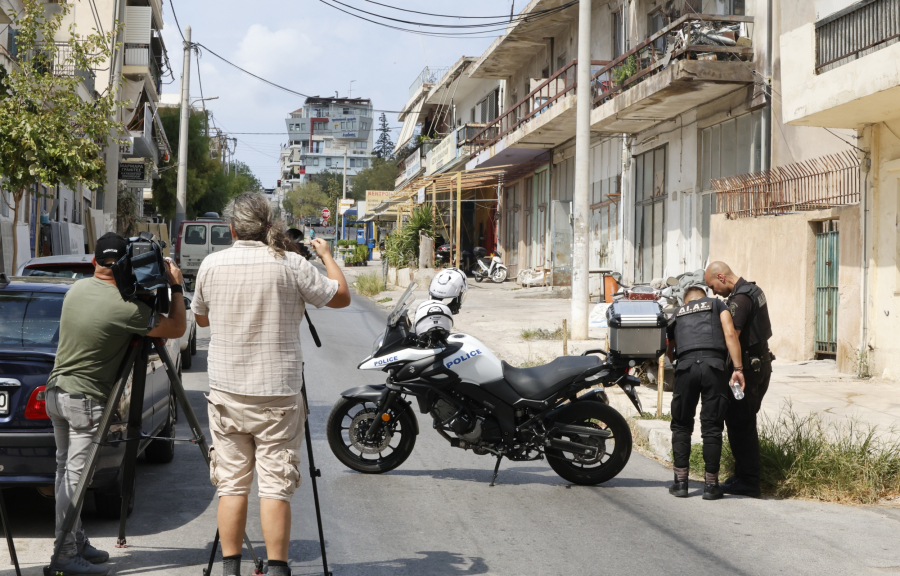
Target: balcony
544, 118
57, 60
694, 60
429, 75
141, 61
843, 69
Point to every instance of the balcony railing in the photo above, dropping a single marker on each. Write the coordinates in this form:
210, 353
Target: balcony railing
687, 37
860, 29
59, 61
142, 55
428, 76
715, 37
465, 135
535, 103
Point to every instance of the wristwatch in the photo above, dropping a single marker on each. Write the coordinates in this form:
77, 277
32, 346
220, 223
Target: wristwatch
176, 288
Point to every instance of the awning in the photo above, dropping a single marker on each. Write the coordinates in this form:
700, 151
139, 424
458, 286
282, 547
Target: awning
412, 118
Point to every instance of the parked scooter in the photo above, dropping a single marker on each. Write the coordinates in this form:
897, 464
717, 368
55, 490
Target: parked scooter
445, 256
492, 267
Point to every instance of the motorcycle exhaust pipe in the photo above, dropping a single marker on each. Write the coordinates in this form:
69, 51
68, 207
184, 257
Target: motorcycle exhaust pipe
573, 447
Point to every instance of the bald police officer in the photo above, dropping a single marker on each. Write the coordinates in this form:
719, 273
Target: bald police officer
750, 312
701, 337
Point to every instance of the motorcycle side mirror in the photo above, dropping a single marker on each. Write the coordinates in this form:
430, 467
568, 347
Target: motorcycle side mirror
672, 281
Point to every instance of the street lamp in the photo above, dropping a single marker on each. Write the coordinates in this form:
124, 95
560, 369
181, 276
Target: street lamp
204, 110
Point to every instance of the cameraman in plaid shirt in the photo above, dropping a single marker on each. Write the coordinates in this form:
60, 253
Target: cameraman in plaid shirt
253, 296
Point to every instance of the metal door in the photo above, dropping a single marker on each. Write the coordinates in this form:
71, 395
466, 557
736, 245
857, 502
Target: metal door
827, 289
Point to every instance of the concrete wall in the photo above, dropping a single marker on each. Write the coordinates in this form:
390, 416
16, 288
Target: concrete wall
778, 253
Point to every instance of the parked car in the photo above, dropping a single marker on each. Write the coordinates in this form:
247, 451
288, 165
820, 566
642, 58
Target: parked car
77, 266
29, 333
196, 240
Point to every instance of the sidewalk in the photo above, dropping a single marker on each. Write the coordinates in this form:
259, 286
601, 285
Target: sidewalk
497, 314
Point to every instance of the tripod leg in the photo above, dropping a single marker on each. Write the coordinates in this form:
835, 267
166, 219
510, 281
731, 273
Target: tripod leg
196, 429
74, 507
313, 474
135, 417
212, 556
4, 519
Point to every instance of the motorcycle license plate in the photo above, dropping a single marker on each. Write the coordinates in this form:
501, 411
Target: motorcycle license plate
4, 403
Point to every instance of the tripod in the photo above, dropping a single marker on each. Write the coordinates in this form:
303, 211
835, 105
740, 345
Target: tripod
313, 472
135, 361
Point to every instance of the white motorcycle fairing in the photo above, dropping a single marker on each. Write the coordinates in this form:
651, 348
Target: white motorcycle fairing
404, 355
474, 362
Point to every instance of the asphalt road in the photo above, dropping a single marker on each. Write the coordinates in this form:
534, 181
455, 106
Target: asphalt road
436, 515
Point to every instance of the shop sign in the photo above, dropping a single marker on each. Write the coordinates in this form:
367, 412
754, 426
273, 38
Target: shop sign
442, 154
413, 164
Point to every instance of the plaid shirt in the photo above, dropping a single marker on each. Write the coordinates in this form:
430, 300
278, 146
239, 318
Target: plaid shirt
255, 303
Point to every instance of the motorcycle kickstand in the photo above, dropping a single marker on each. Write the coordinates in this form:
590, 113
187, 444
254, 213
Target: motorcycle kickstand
496, 470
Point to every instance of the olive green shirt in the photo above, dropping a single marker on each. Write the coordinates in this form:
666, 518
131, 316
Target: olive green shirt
95, 328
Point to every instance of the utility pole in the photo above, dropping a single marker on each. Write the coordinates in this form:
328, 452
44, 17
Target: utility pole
344, 220
181, 190
581, 202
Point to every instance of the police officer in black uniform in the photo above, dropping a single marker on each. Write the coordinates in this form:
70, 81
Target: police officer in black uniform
750, 313
701, 336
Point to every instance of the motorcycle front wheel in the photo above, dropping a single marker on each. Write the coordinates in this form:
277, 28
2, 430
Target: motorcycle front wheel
613, 451
499, 275
346, 428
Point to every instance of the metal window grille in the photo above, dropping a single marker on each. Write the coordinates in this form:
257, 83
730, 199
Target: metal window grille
856, 31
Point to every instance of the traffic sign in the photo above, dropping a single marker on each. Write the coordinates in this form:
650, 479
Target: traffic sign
326, 213
347, 201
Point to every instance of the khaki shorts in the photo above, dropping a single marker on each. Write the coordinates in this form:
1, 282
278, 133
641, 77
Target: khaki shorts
264, 432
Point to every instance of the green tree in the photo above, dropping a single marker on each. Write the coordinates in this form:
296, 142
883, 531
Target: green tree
209, 185
49, 134
308, 199
380, 176
384, 146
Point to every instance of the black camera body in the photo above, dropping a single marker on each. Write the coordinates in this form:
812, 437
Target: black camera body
142, 271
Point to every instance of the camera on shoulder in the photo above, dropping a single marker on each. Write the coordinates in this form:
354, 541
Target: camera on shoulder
142, 271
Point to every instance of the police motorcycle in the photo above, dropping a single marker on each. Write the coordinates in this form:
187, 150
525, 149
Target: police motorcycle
492, 268
479, 403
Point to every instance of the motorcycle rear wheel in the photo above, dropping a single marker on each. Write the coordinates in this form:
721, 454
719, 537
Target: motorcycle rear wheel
607, 464
346, 427
499, 275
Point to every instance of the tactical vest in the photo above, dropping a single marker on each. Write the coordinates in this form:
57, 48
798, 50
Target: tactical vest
759, 329
698, 327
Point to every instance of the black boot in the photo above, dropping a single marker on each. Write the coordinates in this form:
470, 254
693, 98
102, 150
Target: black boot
712, 492
740, 487
679, 487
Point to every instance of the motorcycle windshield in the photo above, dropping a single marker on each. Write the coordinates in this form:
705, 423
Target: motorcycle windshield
403, 304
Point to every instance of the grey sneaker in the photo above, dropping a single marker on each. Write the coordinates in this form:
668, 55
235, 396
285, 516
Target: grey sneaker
77, 566
93, 555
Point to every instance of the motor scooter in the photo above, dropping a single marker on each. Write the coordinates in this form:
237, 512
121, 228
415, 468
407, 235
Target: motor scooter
492, 267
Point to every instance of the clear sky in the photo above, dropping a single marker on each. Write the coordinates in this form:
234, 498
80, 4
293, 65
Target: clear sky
312, 48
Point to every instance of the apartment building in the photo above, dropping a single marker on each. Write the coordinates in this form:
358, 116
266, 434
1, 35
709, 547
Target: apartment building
446, 108
324, 133
685, 104
140, 61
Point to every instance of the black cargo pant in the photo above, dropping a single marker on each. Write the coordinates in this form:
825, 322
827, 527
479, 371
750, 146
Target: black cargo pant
741, 421
699, 376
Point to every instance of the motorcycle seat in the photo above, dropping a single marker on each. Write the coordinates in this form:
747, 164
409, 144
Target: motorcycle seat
542, 382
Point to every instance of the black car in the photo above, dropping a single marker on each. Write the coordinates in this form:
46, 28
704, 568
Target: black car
30, 309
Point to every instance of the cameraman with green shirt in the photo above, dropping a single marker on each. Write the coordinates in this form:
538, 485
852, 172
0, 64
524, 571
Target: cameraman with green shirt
95, 329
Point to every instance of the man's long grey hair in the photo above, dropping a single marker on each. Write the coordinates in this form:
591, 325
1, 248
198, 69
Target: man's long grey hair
252, 219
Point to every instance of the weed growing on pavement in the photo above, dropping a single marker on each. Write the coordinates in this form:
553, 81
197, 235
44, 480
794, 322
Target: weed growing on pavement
369, 284
807, 457
541, 334
653, 416
383, 300
726, 463
533, 361
862, 365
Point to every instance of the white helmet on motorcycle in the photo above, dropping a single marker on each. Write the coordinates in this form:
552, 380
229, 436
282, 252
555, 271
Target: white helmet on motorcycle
449, 283
433, 318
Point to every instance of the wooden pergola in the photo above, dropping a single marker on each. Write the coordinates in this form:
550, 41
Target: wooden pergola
459, 182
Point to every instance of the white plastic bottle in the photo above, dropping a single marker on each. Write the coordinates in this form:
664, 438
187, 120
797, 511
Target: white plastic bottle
736, 388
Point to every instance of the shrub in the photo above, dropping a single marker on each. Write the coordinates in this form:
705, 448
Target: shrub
369, 284
401, 247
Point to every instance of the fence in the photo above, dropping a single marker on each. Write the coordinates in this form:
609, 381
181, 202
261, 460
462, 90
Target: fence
428, 76
816, 184
858, 30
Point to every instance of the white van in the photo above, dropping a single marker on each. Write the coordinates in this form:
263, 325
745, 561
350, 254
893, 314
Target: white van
196, 240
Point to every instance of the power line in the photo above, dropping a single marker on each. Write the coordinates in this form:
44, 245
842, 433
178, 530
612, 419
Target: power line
505, 22
459, 35
176, 21
438, 15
